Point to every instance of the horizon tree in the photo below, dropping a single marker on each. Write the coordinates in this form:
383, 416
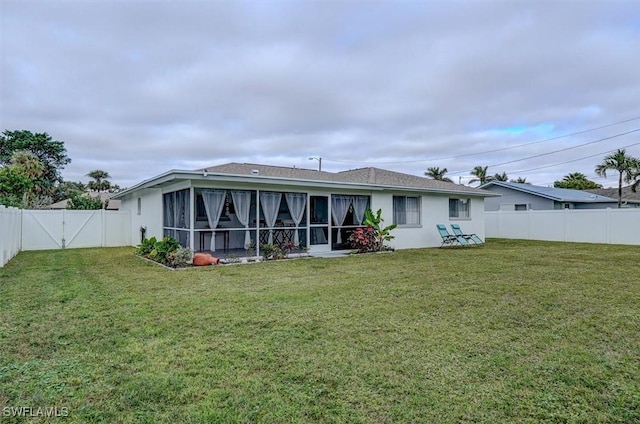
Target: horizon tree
626, 166
500, 177
99, 181
480, 172
520, 180
576, 181
435, 173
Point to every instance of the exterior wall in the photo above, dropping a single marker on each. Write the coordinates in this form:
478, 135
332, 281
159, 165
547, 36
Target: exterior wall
150, 213
434, 210
512, 197
10, 233
611, 226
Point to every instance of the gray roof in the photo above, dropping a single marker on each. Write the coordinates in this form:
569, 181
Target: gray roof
368, 176
557, 194
363, 177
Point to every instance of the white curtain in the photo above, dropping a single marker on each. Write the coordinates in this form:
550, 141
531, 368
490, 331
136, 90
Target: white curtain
213, 204
182, 208
413, 211
296, 203
360, 204
270, 202
242, 204
339, 208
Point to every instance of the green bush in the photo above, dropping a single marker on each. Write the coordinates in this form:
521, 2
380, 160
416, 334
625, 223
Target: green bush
163, 251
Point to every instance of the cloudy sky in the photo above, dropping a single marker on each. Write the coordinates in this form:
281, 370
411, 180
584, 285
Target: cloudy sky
536, 89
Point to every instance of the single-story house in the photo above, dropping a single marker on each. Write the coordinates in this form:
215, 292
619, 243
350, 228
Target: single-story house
522, 197
229, 207
629, 197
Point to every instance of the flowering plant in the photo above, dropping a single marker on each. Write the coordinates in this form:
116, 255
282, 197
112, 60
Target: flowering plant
363, 240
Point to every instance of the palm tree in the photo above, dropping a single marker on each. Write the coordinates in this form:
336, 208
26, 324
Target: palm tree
626, 166
577, 181
481, 173
520, 180
28, 162
436, 173
100, 182
500, 177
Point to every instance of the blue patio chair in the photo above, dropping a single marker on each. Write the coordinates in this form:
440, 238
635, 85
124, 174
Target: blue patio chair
450, 240
473, 237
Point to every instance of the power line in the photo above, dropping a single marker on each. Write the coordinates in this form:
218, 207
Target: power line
490, 151
555, 151
574, 160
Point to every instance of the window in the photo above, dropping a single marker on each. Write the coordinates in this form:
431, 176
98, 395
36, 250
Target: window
406, 210
521, 207
139, 206
459, 208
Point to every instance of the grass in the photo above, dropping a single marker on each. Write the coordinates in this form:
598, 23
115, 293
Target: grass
517, 331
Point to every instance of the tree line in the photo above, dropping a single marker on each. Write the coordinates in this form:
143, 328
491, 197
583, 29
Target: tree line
30, 174
627, 167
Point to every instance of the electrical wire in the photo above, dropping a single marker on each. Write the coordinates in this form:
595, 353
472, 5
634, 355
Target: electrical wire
488, 151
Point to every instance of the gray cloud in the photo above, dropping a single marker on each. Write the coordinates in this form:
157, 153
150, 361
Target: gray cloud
141, 87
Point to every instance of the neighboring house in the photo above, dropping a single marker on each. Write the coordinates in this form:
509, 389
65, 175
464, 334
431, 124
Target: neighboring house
113, 205
522, 197
231, 206
629, 197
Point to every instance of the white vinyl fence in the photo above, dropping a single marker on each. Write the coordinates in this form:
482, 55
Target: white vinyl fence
10, 233
60, 229
611, 226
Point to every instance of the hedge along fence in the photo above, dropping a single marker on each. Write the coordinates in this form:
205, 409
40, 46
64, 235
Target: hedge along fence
10, 233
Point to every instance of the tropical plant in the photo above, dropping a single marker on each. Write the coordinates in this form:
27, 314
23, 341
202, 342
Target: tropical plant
500, 177
147, 245
480, 172
626, 166
99, 181
52, 154
271, 252
576, 181
375, 221
520, 180
436, 173
363, 240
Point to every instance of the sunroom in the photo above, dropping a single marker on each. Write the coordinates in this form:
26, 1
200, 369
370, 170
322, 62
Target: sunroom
237, 222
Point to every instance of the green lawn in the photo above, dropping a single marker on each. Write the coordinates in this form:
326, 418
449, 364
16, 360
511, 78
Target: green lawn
517, 331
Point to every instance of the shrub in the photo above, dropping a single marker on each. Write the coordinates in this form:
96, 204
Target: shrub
163, 251
180, 257
146, 246
363, 240
271, 251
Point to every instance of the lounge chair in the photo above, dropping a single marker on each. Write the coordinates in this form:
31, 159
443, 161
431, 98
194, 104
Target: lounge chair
450, 240
473, 237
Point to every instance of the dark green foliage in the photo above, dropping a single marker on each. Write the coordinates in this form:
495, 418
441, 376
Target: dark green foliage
14, 184
576, 181
163, 251
82, 201
51, 153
